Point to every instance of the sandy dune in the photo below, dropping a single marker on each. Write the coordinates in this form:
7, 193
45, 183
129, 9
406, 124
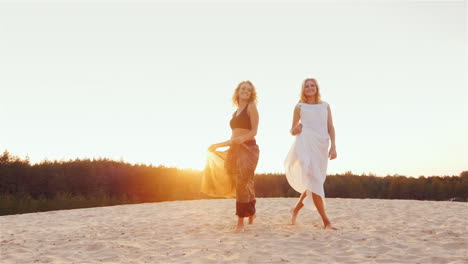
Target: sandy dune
371, 231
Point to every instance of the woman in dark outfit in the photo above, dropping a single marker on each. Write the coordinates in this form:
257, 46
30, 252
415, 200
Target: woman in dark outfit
232, 172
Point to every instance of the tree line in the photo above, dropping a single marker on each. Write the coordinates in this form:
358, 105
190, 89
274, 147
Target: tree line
54, 185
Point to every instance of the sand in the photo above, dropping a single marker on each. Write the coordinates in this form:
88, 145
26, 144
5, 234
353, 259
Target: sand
371, 231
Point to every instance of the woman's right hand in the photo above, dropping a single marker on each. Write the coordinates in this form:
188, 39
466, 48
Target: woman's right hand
297, 129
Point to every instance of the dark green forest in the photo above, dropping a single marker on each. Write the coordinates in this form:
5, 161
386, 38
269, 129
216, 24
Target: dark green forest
80, 183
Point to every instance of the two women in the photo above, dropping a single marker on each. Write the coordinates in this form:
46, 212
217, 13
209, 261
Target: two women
230, 173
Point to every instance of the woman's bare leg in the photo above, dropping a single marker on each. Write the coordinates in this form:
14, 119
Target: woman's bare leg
297, 208
318, 201
251, 219
240, 225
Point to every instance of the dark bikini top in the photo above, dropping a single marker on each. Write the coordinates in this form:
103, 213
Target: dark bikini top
241, 121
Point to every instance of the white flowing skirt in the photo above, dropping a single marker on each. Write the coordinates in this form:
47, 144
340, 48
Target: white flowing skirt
306, 164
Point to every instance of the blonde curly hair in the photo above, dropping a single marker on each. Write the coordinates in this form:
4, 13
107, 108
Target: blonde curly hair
253, 93
303, 99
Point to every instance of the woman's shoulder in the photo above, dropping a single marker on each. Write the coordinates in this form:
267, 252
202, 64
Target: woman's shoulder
251, 107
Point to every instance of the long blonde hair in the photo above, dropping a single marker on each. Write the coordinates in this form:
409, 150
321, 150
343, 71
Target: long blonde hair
303, 99
253, 93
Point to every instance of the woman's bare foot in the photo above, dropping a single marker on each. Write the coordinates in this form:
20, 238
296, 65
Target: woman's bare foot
238, 229
240, 225
329, 226
293, 213
252, 218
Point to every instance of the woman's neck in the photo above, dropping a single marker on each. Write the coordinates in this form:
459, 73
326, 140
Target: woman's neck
311, 100
242, 103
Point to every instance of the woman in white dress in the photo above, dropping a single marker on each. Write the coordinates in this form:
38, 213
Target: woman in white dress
306, 162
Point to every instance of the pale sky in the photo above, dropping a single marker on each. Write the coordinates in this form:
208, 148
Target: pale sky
151, 82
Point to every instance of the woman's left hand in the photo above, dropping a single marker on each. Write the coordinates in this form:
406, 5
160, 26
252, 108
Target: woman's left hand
212, 148
332, 153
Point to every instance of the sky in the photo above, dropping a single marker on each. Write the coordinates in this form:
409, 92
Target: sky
151, 81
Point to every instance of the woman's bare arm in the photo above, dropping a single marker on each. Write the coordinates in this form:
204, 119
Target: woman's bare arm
296, 128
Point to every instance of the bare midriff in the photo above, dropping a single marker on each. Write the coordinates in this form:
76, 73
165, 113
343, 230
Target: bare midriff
237, 132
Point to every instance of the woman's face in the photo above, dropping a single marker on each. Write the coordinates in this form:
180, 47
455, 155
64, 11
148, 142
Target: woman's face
309, 88
244, 92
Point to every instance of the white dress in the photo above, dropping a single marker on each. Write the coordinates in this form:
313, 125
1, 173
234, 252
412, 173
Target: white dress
307, 160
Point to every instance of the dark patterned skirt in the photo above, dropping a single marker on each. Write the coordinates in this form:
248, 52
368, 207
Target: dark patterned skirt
231, 174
